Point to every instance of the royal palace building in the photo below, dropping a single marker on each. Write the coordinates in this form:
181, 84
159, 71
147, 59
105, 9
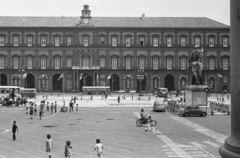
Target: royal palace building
121, 52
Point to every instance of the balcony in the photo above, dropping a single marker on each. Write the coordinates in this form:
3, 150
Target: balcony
85, 67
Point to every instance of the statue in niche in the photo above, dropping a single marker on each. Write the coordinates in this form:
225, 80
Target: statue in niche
183, 83
155, 83
128, 83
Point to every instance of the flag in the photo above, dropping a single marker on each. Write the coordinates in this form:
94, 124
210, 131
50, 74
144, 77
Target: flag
24, 75
60, 77
80, 77
109, 76
219, 75
42, 76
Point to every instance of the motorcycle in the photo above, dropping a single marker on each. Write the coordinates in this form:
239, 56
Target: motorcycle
140, 122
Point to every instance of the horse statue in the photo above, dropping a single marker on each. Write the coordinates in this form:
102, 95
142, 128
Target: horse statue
195, 65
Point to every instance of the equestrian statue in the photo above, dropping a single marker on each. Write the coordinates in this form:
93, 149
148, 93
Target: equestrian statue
195, 65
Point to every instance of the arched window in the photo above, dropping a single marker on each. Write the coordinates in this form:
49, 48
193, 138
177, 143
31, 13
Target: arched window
211, 64
43, 62
155, 63
69, 62
85, 62
155, 82
183, 63
114, 63
57, 63
102, 62
142, 63
225, 64
15, 62
128, 63
29, 62
169, 63
2, 62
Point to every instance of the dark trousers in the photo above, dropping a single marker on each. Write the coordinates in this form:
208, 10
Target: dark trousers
14, 135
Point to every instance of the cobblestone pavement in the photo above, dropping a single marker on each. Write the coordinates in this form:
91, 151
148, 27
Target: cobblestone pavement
115, 125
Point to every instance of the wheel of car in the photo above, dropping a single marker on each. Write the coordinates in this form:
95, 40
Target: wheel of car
139, 122
154, 123
186, 114
203, 114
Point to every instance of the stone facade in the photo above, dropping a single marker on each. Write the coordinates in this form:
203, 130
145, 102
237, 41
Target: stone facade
89, 56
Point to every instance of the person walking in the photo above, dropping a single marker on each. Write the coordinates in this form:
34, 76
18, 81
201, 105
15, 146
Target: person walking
99, 148
14, 130
31, 111
76, 107
51, 107
68, 147
55, 106
118, 99
49, 145
64, 108
41, 110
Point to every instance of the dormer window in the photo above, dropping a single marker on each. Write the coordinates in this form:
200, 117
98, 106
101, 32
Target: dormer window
15, 41
225, 42
155, 42
29, 41
69, 41
211, 42
43, 41
102, 40
128, 41
114, 41
169, 42
57, 41
142, 42
2, 41
85, 41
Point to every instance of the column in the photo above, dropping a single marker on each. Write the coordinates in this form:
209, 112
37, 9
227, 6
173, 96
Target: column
190, 38
36, 38
231, 147
121, 58
9, 38
22, 39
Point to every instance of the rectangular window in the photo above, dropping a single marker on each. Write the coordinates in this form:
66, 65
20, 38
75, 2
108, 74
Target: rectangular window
29, 41
114, 63
85, 41
128, 63
197, 42
57, 63
155, 63
2, 62
2, 41
15, 41
15, 63
141, 63
43, 41
169, 64
29, 63
225, 64
102, 62
128, 42
102, 40
69, 41
211, 64
225, 42
211, 42
85, 62
142, 42
183, 64
114, 41
57, 41
43, 63
183, 42
69, 62
169, 42
155, 42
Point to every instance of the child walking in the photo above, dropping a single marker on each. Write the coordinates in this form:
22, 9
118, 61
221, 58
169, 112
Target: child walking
49, 145
68, 147
99, 148
14, 130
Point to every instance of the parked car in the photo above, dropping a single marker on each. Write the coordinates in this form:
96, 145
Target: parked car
121, 91
158, 106
192, 110
132, 91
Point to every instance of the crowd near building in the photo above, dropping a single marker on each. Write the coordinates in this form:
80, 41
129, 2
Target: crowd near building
120, 52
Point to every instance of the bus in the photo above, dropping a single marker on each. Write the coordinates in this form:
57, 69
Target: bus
162, 92
5, 91
28, 92
96, 90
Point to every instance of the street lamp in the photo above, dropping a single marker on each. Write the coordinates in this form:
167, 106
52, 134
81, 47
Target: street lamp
140, 77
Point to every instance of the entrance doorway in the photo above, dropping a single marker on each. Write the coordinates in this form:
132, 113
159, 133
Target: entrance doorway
169, 82
114, 83
3, 80
29, 81
141, 84
57, 84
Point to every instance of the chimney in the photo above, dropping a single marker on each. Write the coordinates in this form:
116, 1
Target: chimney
143, 16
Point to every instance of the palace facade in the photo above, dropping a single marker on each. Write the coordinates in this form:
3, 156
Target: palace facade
120, 52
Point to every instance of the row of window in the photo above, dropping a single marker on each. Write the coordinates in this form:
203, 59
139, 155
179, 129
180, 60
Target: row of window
114, 41
57, 63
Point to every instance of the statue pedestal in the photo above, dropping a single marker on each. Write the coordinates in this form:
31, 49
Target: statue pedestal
196, 95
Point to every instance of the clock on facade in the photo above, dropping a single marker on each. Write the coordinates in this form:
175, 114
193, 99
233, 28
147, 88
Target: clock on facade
85, 21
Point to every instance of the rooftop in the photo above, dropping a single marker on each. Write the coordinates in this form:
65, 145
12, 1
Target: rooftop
128, 22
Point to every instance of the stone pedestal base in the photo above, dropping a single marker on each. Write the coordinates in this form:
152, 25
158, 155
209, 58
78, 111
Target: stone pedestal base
225, 153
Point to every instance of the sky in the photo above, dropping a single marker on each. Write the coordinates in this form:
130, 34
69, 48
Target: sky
218, 10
